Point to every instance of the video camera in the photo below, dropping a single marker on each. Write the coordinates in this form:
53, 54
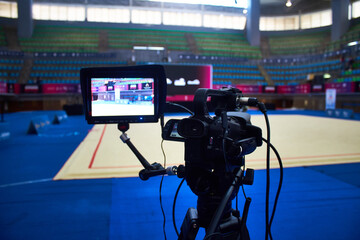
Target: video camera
215, 146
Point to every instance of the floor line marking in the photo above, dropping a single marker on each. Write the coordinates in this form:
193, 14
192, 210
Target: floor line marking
97, 147
285, 160
26, 182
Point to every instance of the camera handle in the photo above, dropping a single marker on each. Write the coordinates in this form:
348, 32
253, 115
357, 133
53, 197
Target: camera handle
150, 170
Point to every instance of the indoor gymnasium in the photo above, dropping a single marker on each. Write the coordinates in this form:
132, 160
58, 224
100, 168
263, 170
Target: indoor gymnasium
146, 119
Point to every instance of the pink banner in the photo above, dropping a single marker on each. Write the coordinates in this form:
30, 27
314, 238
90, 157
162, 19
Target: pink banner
249, 88
31, 88
51, 88
345, 87
303, 88
318, 88
3, 88
285, 89
269, 89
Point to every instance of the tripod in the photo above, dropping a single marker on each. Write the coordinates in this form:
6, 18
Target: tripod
225, 223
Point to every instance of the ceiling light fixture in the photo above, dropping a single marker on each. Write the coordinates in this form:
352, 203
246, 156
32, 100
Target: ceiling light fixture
288, 3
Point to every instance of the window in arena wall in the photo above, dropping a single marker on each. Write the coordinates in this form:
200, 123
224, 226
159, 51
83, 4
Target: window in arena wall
224, 21
317, 19
105, 14
326, 18
267, 23
355, 9
291, 23
58, 12
97, 14
279, 23
118, 15
145, 17
182, 19
41, 12
76, 14
8, 9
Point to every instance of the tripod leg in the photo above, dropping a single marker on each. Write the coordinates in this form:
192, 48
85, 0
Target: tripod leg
190, 226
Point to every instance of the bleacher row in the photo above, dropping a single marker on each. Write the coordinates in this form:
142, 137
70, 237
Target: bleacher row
47, 71
90, 39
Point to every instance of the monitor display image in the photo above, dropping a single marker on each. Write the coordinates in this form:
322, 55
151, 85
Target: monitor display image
122, 96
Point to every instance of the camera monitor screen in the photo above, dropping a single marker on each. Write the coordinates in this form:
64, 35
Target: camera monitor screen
123, 94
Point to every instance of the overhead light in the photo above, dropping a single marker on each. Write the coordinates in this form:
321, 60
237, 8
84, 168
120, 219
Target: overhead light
352, 43
288, 3
327, 75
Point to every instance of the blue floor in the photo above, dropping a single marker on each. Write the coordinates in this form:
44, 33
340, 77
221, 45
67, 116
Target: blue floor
319, 202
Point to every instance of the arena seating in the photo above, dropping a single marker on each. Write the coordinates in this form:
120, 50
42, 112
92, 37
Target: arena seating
290, 74
64, 71
10, 69
238, 73
350, 74
61, 39
234, 60
127, 38
309, 43
225, 44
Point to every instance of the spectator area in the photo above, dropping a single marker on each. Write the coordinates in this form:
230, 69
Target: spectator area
295, 44
226, 44
128, 38
61, 39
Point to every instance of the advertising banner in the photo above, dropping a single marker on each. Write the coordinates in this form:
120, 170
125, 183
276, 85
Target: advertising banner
3, 88
249, 88
285, 89
330, 98
344, 87
303, 88
53, 88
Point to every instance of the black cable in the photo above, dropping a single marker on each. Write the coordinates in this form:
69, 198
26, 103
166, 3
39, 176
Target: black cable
162, 179
279, 186
262, 108
161, 205
267, 174
174, 203
180, 106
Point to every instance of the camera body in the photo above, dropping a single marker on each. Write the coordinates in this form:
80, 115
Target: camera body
214, 145
229, 130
